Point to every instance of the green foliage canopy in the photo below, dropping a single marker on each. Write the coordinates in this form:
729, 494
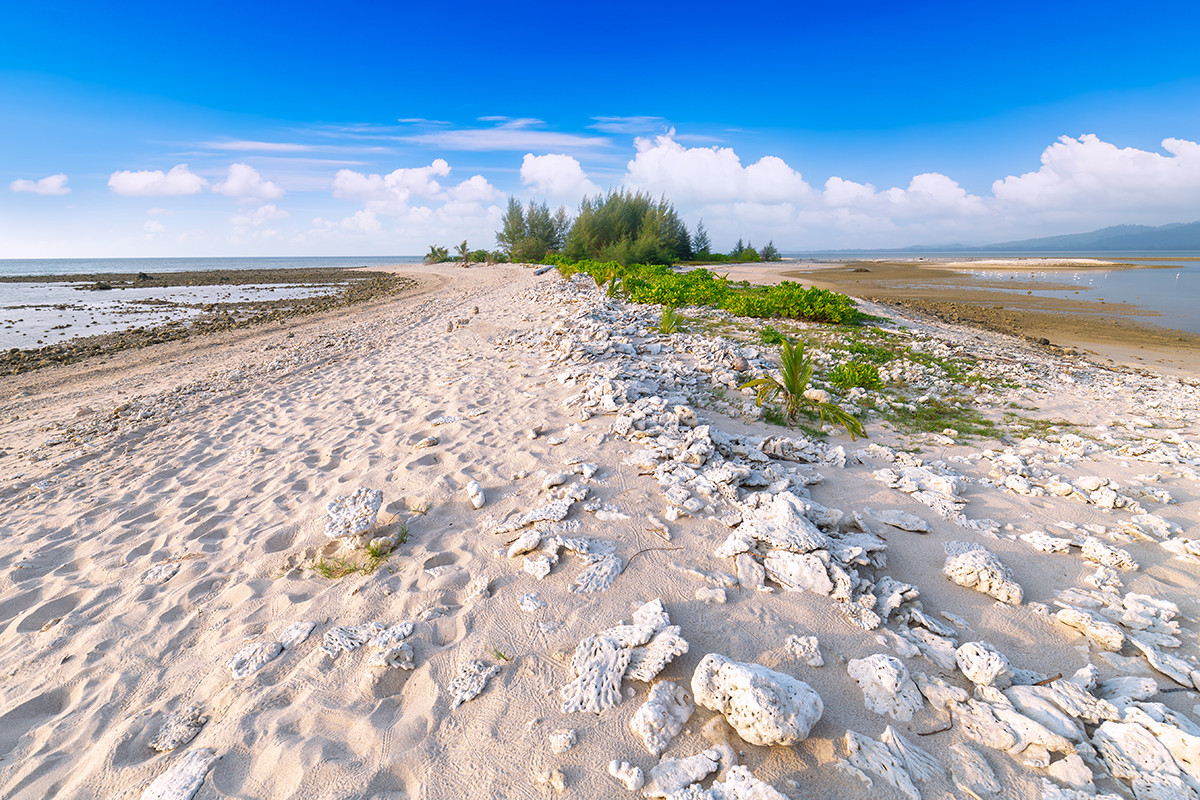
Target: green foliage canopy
628, 228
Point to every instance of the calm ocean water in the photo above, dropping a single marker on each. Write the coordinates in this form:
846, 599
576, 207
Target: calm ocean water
1169, 294
81, 266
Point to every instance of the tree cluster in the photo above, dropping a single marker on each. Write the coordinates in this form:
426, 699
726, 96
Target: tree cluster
527, 234
622, 226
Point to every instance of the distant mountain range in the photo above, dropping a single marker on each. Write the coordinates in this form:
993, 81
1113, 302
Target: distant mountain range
1180, 236
1118, 238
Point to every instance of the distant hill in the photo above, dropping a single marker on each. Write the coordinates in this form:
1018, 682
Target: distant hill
1179, 236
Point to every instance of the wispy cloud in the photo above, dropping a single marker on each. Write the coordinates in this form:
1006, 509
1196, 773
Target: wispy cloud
629, 124
243, 145
512, 135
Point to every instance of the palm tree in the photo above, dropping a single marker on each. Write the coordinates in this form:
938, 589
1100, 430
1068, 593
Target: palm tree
463, 253
795, 372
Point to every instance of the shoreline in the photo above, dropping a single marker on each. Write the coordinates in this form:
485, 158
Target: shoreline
355, 285
1112, 332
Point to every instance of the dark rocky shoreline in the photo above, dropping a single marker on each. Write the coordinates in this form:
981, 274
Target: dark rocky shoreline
358, 286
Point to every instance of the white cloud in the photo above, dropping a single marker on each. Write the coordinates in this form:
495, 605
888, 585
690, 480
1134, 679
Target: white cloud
244, 183
628, 124
363, 221
475, 189
555, 175
259, 217
153, 226
50, 185
516, 134
711, 175
398, 185
1090, 174
269, 147
155, 183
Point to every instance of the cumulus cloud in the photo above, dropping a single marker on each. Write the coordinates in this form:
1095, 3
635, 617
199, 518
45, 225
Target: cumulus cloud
153, 226
156, 183
259, 217
557, 176
244, 183
401, 184
50, 185
1095, 174
691, 175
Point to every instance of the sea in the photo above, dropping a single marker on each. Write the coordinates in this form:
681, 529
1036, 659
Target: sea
33, 314
1168, 295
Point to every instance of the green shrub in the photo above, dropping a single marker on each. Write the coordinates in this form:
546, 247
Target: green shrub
852, 374
769, 335
791, 388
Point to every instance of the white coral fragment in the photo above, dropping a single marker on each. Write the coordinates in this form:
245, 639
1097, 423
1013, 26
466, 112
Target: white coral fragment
631, 777
597, 683
984, 665
350, 515
972, 774
920, 764
782, 525
396, 656
886, 686
799, 571
981, 570
599, 576
562, 740
296, 634
179, 728
346, 639
1098, 552
475, 494
806, 649
555, 511
471, 680
900, 519
672, 775
871, 756
662, 716
252, 658
662, 649
1098, 630
764, 707
184, 778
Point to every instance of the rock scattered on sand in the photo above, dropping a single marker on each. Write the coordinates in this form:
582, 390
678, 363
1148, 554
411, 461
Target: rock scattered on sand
764, 707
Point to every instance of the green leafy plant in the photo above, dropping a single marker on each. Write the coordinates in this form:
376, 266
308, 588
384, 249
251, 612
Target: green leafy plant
499, 654
769, 335
671, 321
852, 374
436, 254
791, 389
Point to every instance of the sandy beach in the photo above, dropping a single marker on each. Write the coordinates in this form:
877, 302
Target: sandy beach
592, 569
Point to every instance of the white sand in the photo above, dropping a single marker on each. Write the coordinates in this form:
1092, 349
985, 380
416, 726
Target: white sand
221, 458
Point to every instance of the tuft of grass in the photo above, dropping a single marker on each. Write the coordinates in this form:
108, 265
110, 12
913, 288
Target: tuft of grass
769, 335
856, 374
936, 414
402, 534
500, 655
422, 509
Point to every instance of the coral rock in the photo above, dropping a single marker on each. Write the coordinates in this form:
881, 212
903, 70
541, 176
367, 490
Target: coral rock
984, 665
765, 707
886, 686
662, 716
981, 570
350, 515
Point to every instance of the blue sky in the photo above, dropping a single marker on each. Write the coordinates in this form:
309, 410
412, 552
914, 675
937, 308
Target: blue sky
142, 129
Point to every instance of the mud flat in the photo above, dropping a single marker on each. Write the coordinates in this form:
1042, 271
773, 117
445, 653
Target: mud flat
497, 537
